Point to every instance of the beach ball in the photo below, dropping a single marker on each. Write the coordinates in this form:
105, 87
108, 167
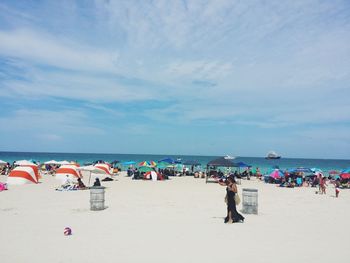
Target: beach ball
67, 231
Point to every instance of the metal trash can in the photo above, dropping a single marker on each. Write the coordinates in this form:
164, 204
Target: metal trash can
250, 201
97, 198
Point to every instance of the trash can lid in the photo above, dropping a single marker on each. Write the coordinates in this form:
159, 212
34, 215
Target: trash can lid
250, 190
97, 187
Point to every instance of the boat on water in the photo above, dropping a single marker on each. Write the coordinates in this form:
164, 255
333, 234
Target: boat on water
272, 155
228, 157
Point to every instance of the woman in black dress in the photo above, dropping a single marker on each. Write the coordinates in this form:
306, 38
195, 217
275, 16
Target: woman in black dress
231, 191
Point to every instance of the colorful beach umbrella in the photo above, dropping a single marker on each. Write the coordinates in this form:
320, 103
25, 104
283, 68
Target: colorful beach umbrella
144, 163
345, 176
276, 174
333, 172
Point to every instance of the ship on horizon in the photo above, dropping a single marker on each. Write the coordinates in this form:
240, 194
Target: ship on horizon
272, 155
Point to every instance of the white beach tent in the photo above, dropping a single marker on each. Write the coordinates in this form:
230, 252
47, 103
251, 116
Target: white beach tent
24, 162
22, 175
2, 162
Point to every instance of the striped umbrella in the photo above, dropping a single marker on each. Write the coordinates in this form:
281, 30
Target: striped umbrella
22, 175
144, 163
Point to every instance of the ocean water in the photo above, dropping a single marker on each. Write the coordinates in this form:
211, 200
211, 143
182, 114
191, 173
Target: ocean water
262, 163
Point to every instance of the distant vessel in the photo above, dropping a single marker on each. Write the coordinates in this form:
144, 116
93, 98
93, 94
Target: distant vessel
272, 155
228, 157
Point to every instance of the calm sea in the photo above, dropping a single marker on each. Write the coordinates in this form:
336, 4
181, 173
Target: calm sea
262, 163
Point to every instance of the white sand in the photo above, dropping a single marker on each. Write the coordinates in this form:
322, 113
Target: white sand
179, 220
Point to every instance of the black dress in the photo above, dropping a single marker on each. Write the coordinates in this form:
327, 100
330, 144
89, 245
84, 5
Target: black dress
231, 207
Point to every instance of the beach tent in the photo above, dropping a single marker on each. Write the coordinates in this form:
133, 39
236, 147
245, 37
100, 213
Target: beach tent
22, 175
70, 170
105, 167
222, 162
219, 162
24, 162
2, 162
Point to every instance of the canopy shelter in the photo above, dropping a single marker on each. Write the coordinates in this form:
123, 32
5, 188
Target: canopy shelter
214, 164
22, 175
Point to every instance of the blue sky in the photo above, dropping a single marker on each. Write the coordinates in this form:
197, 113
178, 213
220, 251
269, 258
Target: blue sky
176, 77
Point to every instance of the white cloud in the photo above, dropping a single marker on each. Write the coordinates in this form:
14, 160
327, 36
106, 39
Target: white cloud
49, 50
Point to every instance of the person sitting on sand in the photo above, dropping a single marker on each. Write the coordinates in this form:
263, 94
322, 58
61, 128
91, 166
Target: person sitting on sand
81, 185
97, 182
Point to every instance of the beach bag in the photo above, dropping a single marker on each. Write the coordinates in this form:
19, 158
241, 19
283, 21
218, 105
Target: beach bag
237, 199
3, 187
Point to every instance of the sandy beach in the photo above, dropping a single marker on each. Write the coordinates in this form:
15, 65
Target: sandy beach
178, 220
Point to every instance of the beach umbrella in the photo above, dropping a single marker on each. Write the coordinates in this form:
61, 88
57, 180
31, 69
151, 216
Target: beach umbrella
24, 162
22, 175
92, 170
242, 164
129, 163
333, 172
153, 163
301, 170
51, 162
345, 176
314, 170
276, 174
347, 170
146, 169
144, 163
67, 170
64, 162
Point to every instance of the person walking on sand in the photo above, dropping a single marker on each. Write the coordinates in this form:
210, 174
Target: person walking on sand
323, 185
231, 191
337, 187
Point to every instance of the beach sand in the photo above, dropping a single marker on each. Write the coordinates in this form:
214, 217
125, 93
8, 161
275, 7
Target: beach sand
178, 220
